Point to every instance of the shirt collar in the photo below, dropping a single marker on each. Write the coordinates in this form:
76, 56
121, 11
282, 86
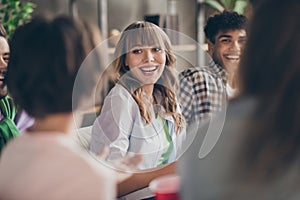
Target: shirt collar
219, 71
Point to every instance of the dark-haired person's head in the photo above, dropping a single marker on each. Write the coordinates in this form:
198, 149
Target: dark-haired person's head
46, 55
271, 64
270, 72
226, 34
223, 22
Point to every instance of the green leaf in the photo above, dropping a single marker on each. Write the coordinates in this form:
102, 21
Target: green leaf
28, 9
14, 4
214, 4
227, 3
31, 5
6, 18
15, 13
240, 5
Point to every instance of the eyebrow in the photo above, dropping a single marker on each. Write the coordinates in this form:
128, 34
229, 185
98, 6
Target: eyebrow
229, 36
224, 35
242, 37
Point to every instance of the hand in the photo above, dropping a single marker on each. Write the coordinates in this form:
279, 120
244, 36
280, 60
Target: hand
123, 167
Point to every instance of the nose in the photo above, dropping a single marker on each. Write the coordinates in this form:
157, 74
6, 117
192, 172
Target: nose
235, 46
148, 56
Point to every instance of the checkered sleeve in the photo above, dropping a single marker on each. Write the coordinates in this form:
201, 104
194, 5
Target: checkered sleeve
201, 93
185, 95
215, 93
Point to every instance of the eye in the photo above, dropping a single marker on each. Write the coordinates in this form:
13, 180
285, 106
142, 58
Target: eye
136, 51
243, 41
225, 41
156, 49
6, 58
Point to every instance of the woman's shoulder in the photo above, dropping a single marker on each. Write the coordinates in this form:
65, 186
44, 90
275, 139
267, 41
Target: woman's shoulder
118, 95
119, 90
119, 98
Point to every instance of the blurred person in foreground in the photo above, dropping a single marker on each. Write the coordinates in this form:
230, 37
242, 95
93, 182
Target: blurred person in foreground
12, 119
258, 153
46, 162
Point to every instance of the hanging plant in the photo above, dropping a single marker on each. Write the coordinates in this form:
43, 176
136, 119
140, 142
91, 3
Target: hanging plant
15, 13
232, 5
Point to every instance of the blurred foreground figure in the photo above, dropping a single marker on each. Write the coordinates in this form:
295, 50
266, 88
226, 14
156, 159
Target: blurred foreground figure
258, 153
46, 162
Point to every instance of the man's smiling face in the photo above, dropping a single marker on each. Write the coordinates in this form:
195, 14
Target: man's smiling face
228, 47
4, 57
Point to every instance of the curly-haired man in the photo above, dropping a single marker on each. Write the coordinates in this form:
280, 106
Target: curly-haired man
206, 89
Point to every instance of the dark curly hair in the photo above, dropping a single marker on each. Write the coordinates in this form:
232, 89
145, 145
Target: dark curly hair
224, 21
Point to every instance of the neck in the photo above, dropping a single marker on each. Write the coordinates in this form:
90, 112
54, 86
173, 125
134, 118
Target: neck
61, 123
232, 77
148, 89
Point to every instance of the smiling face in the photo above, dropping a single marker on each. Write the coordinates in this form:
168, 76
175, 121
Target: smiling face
146, 63
4, 57
228, 48
142, 54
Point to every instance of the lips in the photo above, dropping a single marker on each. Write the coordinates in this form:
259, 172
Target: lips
147, 69
2, 74
232, 57
2, 78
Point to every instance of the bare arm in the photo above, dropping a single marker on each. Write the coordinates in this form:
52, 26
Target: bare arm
142, 179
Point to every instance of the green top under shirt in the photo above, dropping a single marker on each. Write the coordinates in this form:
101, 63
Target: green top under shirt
8, 129
167, 142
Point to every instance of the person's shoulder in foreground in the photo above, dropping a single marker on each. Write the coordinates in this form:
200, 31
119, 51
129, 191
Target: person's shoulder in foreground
44, 174
46, 162
255, 155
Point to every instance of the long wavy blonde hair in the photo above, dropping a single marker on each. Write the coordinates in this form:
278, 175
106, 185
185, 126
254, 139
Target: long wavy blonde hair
147, 33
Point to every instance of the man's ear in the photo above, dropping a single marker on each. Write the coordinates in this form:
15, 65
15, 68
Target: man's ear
211, 47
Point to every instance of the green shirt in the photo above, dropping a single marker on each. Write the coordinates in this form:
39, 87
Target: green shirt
8, 129
167, 142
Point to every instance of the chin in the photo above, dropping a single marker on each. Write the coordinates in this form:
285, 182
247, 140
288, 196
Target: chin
148, 82
3, 91
2, 95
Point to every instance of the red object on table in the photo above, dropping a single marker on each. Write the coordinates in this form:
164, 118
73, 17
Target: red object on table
166, 187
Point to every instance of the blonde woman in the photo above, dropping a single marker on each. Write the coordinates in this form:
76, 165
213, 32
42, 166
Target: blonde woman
140, 114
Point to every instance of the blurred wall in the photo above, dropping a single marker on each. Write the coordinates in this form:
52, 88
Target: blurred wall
123, 12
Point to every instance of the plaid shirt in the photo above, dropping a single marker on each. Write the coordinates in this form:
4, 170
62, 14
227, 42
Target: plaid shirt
202, 91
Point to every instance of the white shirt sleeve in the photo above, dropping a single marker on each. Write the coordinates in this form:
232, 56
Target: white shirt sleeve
113, 126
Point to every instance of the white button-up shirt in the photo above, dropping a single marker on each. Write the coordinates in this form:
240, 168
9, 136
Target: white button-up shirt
121, 127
